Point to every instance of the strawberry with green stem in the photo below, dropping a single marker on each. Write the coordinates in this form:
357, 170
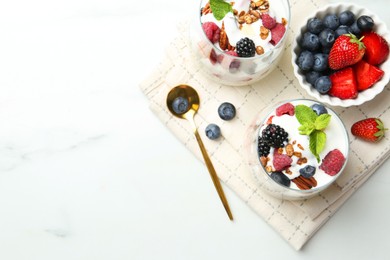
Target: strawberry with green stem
369, 129
346, 50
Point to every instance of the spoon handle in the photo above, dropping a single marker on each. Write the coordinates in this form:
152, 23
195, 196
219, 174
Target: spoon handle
213, 175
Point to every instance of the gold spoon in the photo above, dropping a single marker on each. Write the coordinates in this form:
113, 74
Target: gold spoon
191, 95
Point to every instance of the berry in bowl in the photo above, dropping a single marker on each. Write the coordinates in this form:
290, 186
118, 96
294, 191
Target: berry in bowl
239, 42
341, 55
298, 149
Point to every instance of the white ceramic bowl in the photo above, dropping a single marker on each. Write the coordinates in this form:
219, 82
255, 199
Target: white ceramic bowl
363, 96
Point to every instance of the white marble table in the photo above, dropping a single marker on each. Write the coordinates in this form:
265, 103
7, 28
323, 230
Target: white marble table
88, 172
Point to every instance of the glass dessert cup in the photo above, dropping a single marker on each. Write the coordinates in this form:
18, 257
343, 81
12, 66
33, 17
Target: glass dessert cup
336, 139
227, 69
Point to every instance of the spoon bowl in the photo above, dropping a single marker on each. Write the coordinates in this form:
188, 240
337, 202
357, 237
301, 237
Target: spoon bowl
190, 94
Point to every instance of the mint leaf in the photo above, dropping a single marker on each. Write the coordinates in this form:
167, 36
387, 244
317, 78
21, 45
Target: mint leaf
313, 126
305, 115
220, 8
306, 129
322, 121
317, 143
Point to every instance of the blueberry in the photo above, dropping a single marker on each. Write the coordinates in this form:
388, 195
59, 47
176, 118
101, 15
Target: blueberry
365, 23
310, 41
346, 18
326, 50
312, 76
226, 111
319, 109
305, 60
327, 37
331, 21
323, 84
315, 25
320, 62
180, 105
213, 131
355, 29
342, 29
307, 171
280, 178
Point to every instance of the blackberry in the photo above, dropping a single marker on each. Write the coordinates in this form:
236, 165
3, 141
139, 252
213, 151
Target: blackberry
275, 136
245, 47
262, 148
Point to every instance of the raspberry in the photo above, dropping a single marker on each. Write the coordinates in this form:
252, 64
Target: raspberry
221, 56
286, 108
333, 162
232, 53
229, 62
281, 161
235, 64
212, 31
277, 33
268, 21
213, 57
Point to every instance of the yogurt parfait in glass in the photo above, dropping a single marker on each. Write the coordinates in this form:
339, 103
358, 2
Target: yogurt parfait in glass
239, 42
298, 149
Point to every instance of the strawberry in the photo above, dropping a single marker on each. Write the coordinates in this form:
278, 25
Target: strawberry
369, 129
346, 50
366, 75
377, 48
344, 85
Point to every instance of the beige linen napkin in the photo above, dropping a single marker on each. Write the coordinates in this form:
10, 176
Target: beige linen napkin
295, 221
